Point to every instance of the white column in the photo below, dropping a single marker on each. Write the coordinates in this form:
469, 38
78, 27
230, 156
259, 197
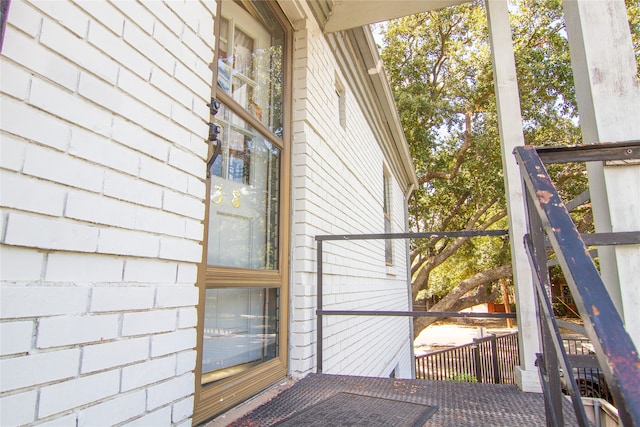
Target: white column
511, 136
608, 94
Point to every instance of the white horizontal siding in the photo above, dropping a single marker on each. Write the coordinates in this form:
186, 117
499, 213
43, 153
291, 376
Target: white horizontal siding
337, 179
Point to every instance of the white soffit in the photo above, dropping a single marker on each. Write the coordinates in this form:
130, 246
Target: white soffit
347, 14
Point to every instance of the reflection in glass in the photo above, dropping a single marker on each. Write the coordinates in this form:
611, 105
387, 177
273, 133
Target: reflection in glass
245, 193
240, 330
250, 65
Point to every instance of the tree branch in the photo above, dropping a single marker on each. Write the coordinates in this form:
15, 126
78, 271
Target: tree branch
449, 301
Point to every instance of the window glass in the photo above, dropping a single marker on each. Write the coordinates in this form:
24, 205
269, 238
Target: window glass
250, 61
246, 278
240, 331
388, 243
244, 199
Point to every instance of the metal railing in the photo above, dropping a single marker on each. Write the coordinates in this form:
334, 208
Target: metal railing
490, 359
549, 221
321, 312
590, 380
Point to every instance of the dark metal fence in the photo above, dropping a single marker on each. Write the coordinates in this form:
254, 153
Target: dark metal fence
491, 359
590, 380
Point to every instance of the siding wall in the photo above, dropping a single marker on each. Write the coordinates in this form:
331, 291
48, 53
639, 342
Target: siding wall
103, 121
337, 179
102, 155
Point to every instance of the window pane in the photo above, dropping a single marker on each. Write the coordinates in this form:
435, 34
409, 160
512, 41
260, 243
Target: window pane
388, 244
245, 197
240, 330
250, 61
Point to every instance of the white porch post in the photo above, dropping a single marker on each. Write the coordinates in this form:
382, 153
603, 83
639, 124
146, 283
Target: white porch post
608, 94
511, 136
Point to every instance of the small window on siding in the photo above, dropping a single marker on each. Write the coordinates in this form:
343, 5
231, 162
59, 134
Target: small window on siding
342, 105
4, 11
388, 243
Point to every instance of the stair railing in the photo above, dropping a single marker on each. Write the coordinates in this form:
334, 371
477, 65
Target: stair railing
551, 225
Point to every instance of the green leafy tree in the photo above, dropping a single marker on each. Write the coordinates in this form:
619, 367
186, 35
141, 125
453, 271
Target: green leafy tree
439, 67
633, 12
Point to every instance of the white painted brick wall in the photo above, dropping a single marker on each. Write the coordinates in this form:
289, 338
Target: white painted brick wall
18, 119
80, 391
170, 391
66, 14
183, 159
193, 228
19, 264
108, 355
148, 372
103, 125
186, 361
172, 342
98, 149
183, 205
121, 298
41, 60
182, 410
133, 11
136, 137
115, 47
125, 187
119, 92
43, 197
171, 86
149, 48
63, 267
148, 322
187, 273
69, 330
148, 95
15, 82
38, 301
113, 411
161, 417
26, 18
18, 409
127, 242
74, 49
150, 271
157, 171
195, 186
180, 249
16, 337
21, 372
176, 296
48, 97
11, 153
160, 221
70, 420
171, 25
68, 170
338, 189
191, 76
187, 317
105, 13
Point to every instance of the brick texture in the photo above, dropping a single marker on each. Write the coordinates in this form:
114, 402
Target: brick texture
103, 168
102, 171
338, 190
